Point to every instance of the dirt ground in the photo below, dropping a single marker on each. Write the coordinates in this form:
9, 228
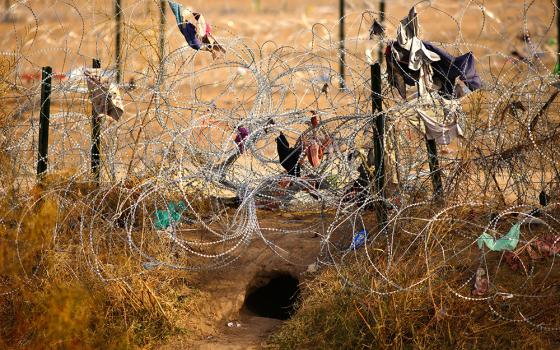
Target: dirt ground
228, 287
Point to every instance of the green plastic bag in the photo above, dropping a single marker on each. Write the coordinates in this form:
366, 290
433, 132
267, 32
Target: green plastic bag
507, 242
172, 215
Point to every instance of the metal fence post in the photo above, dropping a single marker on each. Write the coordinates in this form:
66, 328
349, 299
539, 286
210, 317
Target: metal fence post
435, 171
341, 36
162, 21
44, 116
378, 141
381, 21
557, 69
95, 136
118, 39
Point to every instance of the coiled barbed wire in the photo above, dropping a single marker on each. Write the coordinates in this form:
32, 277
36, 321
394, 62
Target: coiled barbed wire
175, 143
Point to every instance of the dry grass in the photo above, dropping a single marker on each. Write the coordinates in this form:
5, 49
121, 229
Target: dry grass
352, 307
54, 299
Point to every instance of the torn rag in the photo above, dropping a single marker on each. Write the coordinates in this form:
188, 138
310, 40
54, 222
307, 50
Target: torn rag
411, 61
437, 118
195, 29
242, 134
288, 156
105, 95
443, 134
507, 242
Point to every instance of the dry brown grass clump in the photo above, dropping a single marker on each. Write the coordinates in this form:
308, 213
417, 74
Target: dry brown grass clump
423, 299
333, 315
54, 295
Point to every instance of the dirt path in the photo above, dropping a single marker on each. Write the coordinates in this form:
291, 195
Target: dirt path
251, 333
227, 289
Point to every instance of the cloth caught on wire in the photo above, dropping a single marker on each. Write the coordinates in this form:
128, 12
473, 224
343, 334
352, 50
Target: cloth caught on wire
411, 61
195, 29
507, 242
315, 146
435, 117
242, 134
105, 95
289, 156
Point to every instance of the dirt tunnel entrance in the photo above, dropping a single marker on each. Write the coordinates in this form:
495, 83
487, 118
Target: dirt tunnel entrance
272, 295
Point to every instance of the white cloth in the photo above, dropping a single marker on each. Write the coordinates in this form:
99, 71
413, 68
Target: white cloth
420, 58
420, 55
437, 118
442, 133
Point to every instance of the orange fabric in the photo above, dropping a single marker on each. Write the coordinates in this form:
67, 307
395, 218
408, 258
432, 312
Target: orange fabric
314, 154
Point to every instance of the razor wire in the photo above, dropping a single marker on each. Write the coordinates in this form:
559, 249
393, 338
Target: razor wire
175, 144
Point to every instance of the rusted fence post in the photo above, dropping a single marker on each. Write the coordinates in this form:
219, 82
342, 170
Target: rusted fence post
381, 21
162, 22
557, 70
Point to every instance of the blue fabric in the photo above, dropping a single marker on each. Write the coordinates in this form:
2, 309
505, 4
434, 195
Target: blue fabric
358, 240
176, 8
187, 29
189, 32
449, 68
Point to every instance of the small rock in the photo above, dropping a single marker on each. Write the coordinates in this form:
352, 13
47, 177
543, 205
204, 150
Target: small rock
312, 268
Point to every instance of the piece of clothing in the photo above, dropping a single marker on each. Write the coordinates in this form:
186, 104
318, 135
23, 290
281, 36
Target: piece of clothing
163, 218
105, 95
195, 29
189, 32
444, 71
480, 283
411, 61
361, 188
449, 68
289, 157
437, 118
314, 153
443, 134
358, 240
507, 242
376, 29
315, 147
242, 134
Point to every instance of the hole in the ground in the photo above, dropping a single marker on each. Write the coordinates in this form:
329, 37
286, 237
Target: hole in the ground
272, 295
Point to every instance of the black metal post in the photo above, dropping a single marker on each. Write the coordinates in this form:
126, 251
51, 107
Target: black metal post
44, 116
162, 22
435, 171
118, 39
378, 142
95, 136
558, 36
341, 36
381, 21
